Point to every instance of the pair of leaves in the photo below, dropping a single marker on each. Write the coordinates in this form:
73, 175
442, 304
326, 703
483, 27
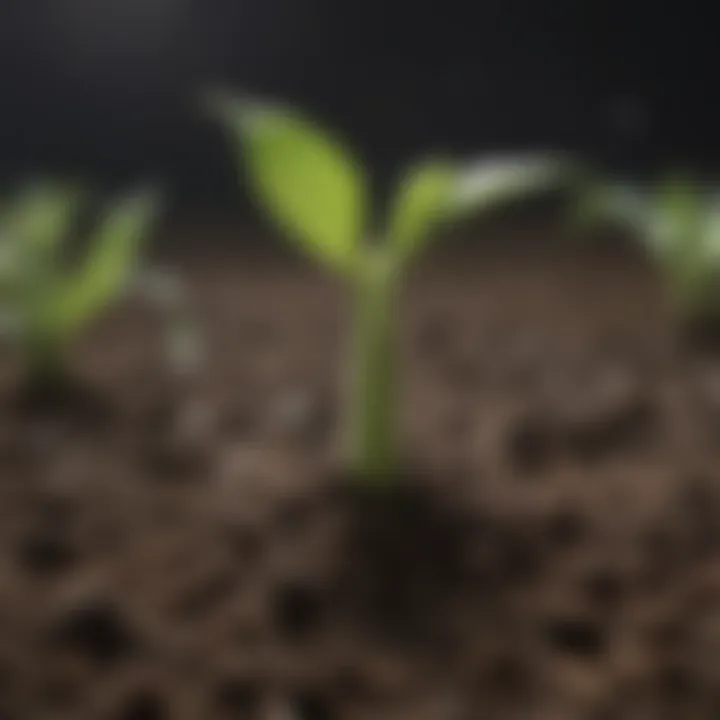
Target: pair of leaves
317, 191
34, 230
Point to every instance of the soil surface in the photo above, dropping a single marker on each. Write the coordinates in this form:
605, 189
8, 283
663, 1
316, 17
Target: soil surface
191, 550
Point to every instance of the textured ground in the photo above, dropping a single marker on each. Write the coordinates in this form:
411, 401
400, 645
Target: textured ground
177, 553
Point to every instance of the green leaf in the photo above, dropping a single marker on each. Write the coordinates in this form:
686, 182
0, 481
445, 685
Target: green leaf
305, 179
40, 219
681, 203
109, 265
623, 205
712, 233
8, 264
679, 213
487, 185
422, 202
35, 223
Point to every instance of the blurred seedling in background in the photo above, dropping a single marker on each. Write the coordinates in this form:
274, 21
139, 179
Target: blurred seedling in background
317, 193
48, 299
678, 223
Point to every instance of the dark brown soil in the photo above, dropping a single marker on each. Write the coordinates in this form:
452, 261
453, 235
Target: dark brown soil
552, 552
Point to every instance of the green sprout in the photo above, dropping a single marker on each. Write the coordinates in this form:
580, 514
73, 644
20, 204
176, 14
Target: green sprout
47, 301
679, 224
317, 194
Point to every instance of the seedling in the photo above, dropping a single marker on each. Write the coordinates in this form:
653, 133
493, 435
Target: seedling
679, 225
317, 193
46, 302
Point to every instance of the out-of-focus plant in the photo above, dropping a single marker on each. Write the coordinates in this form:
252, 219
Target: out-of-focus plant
314, 189
678, 223
46, 300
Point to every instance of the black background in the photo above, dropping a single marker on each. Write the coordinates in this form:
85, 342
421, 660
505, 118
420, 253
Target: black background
108, 89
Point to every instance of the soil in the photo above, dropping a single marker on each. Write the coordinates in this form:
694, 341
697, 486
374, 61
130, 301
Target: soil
177, 550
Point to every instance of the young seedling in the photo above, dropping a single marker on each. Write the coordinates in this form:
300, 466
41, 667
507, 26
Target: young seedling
679, 224
316, 192
46, 303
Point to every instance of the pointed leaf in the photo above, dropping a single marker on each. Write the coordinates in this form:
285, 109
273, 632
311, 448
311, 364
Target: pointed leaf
305, 179
34, 226
712, 233
626, 205
422, 202
490, 184
39, 220
8, 264
109, 265
679, 214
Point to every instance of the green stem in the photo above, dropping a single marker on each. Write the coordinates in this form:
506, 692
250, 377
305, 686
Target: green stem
373, 401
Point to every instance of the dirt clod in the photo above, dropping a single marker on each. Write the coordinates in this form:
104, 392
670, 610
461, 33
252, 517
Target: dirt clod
95, 631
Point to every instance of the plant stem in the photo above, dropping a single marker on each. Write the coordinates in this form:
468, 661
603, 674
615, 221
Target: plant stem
373, 389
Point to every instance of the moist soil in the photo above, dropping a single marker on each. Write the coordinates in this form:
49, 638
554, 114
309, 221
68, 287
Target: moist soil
193, 549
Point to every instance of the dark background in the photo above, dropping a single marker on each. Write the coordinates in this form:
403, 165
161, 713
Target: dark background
107, 89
